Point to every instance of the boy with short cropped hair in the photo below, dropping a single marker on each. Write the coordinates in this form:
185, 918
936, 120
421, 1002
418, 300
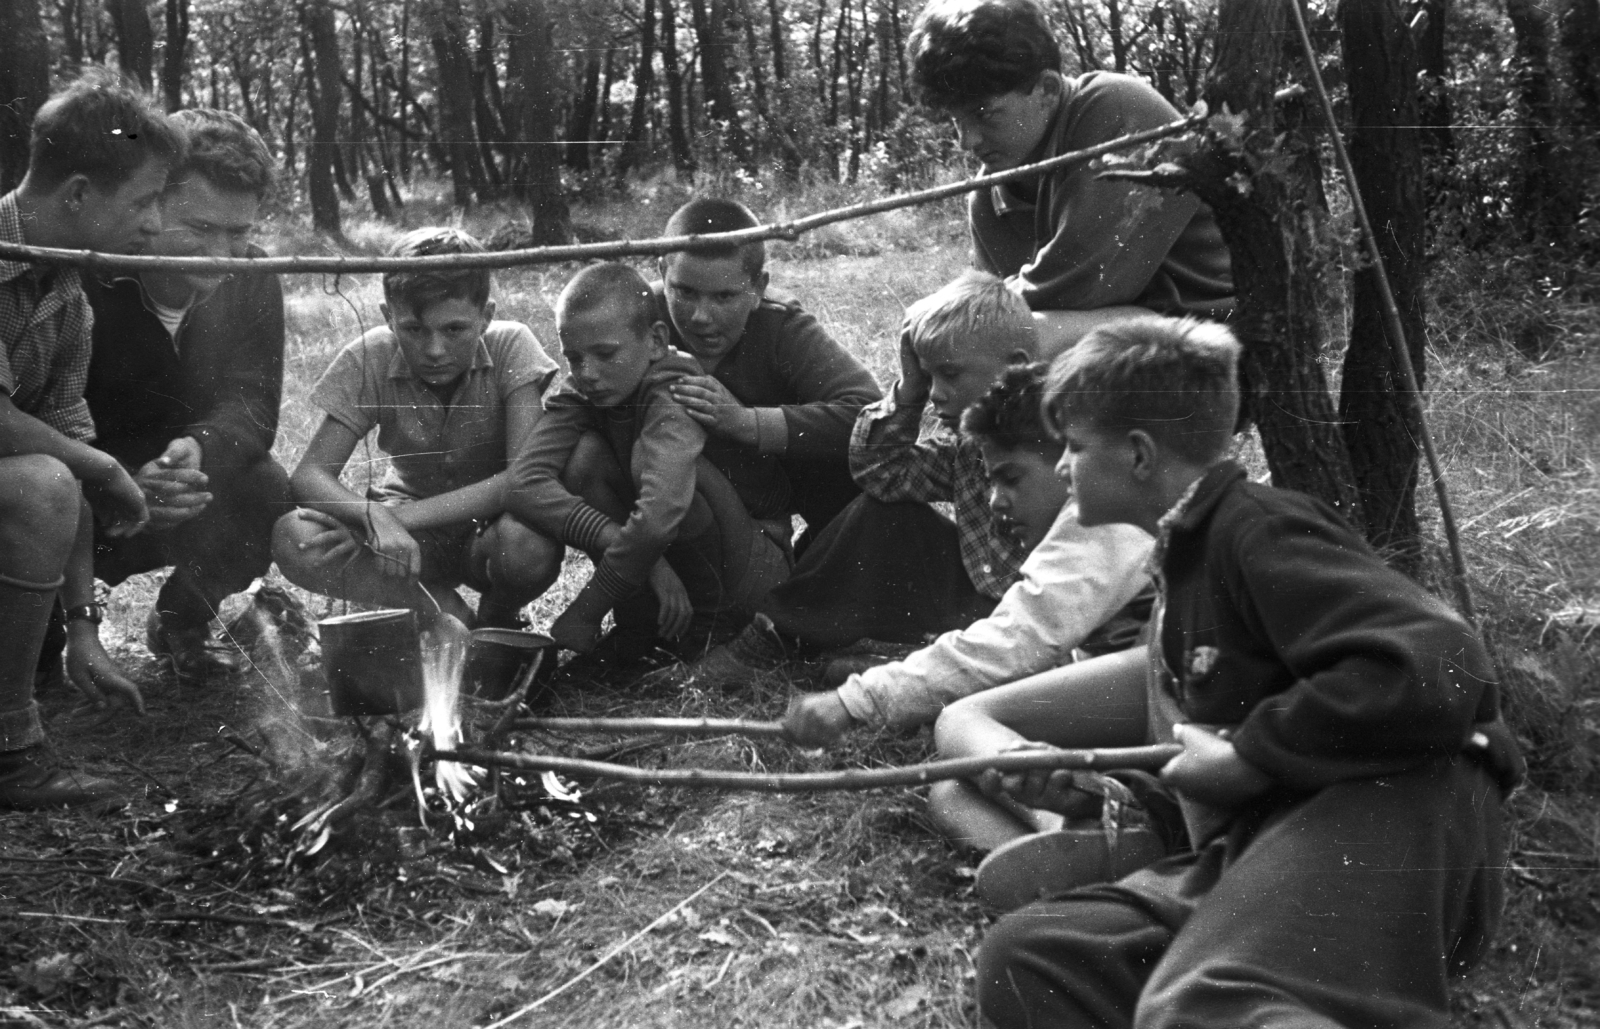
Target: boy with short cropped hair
1076, 589
1081, 250
453, 395
675, 523
97, 161
891, 567
1344, 756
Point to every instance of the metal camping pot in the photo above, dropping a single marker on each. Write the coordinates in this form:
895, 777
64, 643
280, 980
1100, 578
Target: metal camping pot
373, 662
500, 657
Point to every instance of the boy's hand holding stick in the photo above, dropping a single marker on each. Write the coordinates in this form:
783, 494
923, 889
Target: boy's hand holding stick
1210, 770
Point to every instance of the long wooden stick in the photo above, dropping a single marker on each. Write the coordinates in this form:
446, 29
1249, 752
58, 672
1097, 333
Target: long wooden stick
790, 230
1394, 329
1150, 758
676, 726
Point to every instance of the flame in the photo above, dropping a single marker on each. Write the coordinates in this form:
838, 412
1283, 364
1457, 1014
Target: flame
444, 659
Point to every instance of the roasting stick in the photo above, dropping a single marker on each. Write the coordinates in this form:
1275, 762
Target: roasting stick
1150, 758
675, 726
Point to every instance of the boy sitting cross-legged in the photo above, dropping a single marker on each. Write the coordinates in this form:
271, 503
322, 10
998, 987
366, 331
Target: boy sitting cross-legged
891, 567
670, 520
1080, 588
1344, 758
453, 394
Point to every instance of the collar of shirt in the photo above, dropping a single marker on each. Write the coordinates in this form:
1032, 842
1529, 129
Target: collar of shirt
399, 368
11, 232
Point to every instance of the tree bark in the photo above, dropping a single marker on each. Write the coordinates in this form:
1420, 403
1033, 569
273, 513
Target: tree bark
677, 132
580, 127
531, 106
1433, 65
1266, 194
631, 154
322, 156
1547, 201
1381, 429
172, 64
1580, 40
25, 80
714, 48
459, 137
136, 39
487, 108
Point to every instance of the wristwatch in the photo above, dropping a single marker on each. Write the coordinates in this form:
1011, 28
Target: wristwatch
92, 613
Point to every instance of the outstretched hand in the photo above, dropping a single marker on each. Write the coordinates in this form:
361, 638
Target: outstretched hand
117, 501
96, 674
1044, 789
718, 411
816, 719
174, 486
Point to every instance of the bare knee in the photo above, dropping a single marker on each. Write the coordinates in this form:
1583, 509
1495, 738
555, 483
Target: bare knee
521, 562
39, 500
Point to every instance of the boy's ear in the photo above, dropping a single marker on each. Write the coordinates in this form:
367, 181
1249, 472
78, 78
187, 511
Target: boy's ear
488, 311
760, 282
75, 191
1019, 356
1052, 82
1144, 451
660, 340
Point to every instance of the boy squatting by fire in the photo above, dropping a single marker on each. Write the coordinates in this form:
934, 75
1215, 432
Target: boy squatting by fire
672, 522
1081, 588
453, 395
1344, 756
97, 163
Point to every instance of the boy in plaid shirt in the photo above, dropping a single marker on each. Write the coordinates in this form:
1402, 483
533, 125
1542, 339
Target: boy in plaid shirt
892, 567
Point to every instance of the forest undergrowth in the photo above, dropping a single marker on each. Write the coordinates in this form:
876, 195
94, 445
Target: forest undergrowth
828, 910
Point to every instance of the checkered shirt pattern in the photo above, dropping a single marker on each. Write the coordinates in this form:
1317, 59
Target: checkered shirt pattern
44, 323
891, 463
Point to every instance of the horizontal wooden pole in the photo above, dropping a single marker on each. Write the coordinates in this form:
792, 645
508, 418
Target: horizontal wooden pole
1150, 758
677, 726
790, 230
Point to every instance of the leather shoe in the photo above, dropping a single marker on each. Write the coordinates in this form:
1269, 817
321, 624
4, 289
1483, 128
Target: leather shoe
195, 658
31, 779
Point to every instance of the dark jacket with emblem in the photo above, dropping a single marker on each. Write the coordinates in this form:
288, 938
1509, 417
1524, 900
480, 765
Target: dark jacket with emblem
1283, 623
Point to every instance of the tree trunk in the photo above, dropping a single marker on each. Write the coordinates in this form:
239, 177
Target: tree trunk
24, 76
632, 152
459, 138
1546, 202
1580, 39
172, 64
71, 12
580, 127
322, 156
1433, 63
677, 133
1381, 429
1270, 214
780, 71
714, 48
487, 107
136, 39
531, 95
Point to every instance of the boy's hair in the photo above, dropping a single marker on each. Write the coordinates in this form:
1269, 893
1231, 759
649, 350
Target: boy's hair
973, 306
225, 151
1011, 414
1175, 378
610, 282
703, 215
965, 51
102, 126
421, 289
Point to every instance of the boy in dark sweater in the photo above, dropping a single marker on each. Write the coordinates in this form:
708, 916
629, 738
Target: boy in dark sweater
1079, 249
674, 523
1344, 756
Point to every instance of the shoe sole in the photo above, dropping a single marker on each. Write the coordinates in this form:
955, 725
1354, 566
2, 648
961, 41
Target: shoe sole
1046, 864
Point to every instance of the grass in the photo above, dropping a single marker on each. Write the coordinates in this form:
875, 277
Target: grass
821, 911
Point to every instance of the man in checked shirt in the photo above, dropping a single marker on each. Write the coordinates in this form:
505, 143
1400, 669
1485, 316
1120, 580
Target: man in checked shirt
97, 165
891, 567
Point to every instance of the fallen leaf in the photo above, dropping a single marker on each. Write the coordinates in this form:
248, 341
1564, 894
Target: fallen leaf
552, 908
906, 1005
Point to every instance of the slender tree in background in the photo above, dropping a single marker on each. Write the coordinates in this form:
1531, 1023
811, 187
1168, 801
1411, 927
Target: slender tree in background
176, 52
1580, 43
322, 75
580, 126
632, 151
677, 131
1548, 199
136, 39
709, 26
24, 81
1380, 421
1433, 66
460, 142
530, 102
